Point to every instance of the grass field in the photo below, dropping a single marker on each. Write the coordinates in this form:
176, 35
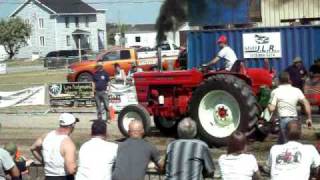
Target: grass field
17, 81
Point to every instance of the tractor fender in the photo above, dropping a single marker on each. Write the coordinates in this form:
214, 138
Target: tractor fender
240, 76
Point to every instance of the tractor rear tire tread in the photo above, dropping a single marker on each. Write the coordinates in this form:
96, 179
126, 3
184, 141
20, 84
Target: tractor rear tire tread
230, 83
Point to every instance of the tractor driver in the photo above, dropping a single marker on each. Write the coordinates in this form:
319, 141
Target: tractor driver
225, 53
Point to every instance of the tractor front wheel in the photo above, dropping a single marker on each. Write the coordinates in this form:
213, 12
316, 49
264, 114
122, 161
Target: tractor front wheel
130, 113
221, 105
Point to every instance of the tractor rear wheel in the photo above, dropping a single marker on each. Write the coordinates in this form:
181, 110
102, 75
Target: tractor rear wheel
166, 127
221, 105
130, 113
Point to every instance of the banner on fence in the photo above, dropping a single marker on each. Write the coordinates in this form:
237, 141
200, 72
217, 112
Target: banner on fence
71, 94
25, 97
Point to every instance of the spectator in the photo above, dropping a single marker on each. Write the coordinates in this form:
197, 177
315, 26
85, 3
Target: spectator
134, 155
284, 99
237, 164
297, 73
188, 158
101, 80
119, 74
97, 156
21, 162
7, 166
293, 160
134, 69
315, 68
57, 151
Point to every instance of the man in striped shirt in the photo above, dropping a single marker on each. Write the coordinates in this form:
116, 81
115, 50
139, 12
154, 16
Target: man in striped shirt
188, 158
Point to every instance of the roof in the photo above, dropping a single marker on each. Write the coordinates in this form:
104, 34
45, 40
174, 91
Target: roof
61, 7
68, 6
80, 32
142, 28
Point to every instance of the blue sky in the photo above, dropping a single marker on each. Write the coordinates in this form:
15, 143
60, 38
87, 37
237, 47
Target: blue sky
125, 11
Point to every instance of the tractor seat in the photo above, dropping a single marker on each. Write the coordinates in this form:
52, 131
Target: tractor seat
239, 67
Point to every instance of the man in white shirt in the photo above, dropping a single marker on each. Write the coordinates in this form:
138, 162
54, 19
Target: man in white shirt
97, 156
284, 100
57, 150
293, 160
225, 53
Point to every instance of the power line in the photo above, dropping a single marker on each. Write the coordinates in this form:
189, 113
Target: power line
99, 2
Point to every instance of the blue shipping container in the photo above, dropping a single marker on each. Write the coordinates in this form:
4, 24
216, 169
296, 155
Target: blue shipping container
218, 12
303, 41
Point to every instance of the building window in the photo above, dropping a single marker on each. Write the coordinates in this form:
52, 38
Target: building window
66, 20
138, 39
41, 40
41, 23
77, 21
87, 21
68, 40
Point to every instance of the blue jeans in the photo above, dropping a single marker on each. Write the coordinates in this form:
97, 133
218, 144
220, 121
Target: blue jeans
101, 97
283, 126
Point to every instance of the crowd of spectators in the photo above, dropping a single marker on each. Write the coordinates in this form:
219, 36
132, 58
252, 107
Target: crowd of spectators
186, 158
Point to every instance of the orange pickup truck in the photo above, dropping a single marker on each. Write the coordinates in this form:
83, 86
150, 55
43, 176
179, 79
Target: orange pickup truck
83, 71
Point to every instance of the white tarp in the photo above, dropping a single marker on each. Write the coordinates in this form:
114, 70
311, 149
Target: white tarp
3, 68
262, 45
25, 97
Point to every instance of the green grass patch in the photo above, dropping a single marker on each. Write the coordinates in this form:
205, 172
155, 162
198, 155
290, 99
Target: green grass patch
23, 62
17, 81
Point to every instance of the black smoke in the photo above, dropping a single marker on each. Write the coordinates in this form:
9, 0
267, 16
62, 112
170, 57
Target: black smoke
173, 14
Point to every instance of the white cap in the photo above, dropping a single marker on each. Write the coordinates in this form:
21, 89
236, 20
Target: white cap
66, 119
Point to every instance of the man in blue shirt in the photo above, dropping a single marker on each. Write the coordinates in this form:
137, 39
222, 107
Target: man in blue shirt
297, 73
101, 80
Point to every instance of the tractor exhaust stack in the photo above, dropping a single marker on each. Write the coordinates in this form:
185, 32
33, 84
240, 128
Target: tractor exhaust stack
159, 58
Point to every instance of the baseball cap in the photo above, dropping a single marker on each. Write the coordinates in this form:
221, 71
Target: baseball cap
297, 59
66, 119
222, 39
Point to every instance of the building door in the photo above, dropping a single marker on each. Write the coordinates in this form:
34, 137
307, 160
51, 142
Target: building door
101, 39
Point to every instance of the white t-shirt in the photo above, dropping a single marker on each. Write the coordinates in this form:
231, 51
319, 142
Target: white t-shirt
229, 55
286, 98
238, 167
292, 160
96, 158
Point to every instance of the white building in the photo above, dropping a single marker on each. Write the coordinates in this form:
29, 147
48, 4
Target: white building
144, 35
61, 25
3, 54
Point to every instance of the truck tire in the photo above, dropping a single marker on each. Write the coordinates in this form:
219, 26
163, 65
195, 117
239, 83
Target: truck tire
166, 127
221, 105
85, 77
130, 113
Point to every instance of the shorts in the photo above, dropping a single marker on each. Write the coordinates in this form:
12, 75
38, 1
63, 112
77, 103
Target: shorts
69, 177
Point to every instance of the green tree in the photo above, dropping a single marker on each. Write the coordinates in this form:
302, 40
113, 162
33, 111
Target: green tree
14, 33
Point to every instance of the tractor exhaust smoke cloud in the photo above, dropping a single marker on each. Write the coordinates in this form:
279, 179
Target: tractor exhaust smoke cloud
173, 14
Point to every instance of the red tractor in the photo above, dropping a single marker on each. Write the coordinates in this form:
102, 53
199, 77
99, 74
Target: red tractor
219, 101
